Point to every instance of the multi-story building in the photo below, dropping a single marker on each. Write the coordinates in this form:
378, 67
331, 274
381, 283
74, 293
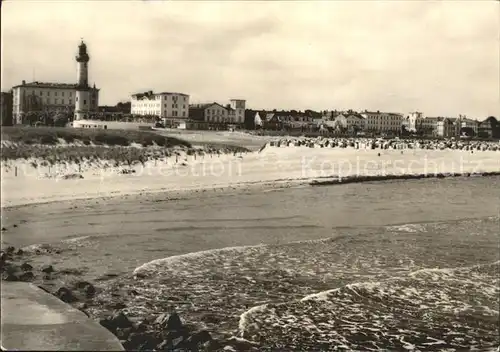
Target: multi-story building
439, 126
215, 113
470, 124
413, 121
41, 96
428, 126
237, 111
209, 112
355, 122
489, 128
350, 121
6, 108
288, 120
75, 98
383, 122
169, 107
447, 127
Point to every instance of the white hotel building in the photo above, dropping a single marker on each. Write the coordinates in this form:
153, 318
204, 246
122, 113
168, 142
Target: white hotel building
40, 96
164, 105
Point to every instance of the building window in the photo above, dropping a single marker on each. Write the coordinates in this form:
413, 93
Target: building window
48, 93
55, 93
70, 94
62, 94
41, 93
84, 101
76, 99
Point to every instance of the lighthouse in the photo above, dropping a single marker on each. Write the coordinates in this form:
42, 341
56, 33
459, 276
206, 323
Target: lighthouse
82, 98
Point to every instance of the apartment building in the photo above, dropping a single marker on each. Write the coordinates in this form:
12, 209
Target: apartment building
428, 125
489, 128
209, 112
42, 96
447, 127
382, 122
215, 113
165, 105
470, 123
350, 121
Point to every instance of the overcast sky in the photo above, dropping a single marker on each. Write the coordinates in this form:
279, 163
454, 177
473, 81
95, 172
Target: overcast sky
438, 57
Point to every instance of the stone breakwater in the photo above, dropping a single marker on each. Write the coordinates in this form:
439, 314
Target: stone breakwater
372, 178
373, 143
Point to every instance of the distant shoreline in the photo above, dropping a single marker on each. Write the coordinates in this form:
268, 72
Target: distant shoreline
35, 178
374, 178
256, 187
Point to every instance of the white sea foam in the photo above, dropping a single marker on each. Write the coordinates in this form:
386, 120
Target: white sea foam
75, 239
320, 296
406, 292
157, 264
244, 318
41, 247
153, 265
411, 228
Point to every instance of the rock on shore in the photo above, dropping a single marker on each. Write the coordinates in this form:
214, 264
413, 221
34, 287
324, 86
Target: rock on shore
165, 331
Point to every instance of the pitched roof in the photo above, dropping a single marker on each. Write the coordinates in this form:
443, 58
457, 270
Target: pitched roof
172, 93
47, 85
470, 120
205, 106
269, 116
381, 113
490, 122
200, 106
356, 115
150, 93
432, 118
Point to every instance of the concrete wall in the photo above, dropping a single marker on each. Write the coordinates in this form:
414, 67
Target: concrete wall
112, 125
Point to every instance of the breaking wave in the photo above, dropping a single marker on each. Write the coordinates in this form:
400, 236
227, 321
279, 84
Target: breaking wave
155, 266
428, 309
388, 288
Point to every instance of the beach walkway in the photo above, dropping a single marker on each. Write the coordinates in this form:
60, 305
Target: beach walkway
32, 319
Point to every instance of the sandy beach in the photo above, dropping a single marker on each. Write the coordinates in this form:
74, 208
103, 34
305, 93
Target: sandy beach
132, 234
273, 166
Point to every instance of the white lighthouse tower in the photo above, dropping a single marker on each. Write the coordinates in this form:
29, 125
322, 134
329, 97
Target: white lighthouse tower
82, 99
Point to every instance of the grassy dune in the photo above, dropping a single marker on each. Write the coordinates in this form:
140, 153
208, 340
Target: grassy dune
58, 145
53, 136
